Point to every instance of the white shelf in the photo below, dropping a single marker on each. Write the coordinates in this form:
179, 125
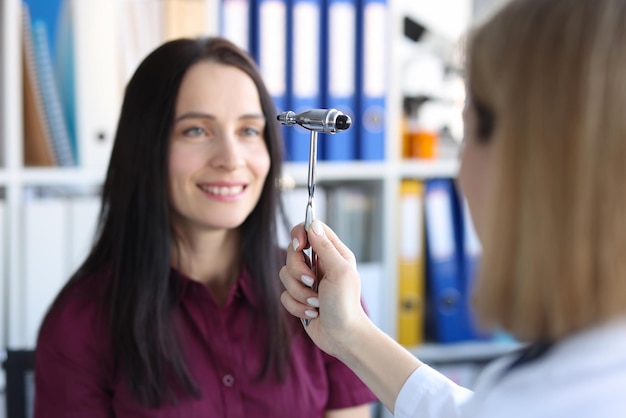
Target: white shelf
364, 171
463, 352
445, 167
61, 176
331, 171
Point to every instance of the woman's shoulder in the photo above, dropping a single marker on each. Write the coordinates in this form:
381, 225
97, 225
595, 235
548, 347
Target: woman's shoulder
80, 310
74, 348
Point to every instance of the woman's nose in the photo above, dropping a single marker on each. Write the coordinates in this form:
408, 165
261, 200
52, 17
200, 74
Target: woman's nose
227, 153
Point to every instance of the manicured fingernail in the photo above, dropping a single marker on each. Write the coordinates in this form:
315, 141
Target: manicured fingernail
317, 228
311, 313
308, 281
313, 302
295, 244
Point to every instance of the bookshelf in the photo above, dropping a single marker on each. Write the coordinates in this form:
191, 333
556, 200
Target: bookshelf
16, 179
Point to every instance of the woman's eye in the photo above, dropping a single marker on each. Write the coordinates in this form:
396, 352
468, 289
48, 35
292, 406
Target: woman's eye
194, 131
250, 131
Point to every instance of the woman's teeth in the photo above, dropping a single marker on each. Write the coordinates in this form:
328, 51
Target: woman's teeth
223, 190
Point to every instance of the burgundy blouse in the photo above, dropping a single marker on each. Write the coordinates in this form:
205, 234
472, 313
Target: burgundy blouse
76, 375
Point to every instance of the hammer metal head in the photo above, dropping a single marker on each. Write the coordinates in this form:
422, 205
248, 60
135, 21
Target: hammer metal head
328, 121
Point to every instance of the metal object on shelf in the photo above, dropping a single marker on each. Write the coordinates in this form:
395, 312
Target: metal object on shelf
328, 121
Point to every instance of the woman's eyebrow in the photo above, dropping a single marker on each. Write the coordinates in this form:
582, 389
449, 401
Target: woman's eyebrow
253, 116
194, 115
201, 115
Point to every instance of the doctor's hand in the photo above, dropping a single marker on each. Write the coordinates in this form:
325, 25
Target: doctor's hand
334, 323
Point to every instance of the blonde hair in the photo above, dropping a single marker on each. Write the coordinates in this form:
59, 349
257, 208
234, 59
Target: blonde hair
553, 73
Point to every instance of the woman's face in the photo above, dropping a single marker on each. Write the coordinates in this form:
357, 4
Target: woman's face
218, 160
475, 173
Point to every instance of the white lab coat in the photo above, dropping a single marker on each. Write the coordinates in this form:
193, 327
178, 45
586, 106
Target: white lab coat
583, 376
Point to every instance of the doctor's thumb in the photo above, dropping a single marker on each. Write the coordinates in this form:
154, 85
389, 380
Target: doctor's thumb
326, 244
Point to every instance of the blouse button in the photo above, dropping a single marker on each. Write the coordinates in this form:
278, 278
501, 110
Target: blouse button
228, 380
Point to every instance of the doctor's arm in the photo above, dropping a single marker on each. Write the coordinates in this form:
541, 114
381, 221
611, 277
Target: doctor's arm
342, 328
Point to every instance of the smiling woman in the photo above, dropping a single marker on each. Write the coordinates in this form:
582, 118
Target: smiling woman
218, 159
176, 311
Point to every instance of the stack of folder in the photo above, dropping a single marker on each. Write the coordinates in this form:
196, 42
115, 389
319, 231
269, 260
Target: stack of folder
319, 53
452, 257
438, 259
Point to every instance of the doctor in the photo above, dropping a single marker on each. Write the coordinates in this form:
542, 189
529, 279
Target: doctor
543, 170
